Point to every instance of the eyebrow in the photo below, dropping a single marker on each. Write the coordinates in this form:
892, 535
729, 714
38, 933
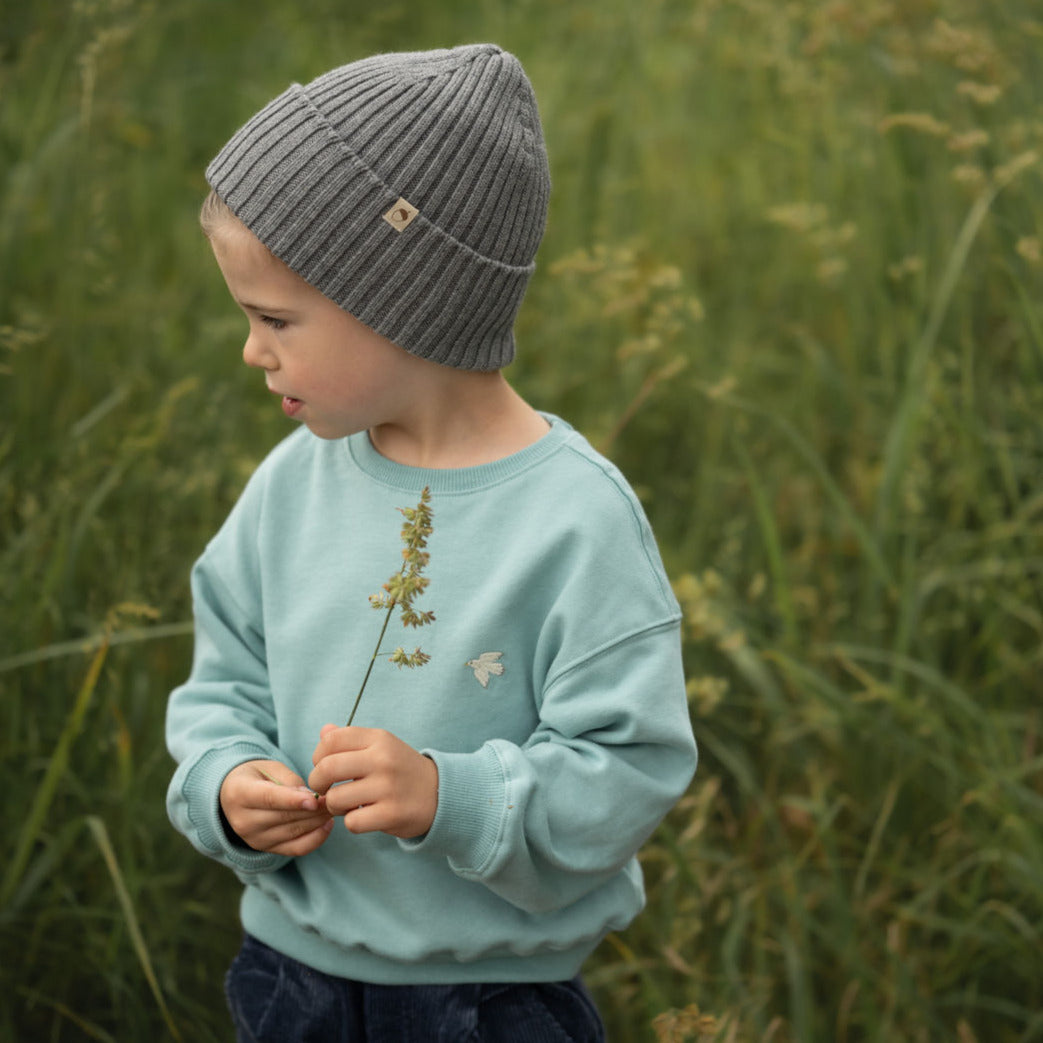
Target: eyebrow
260, 308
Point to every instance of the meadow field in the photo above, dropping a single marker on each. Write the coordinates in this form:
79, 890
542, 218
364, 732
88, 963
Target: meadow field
792, 284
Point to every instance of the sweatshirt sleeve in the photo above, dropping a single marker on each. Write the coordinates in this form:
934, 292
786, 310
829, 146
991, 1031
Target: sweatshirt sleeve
222, 715
544, 823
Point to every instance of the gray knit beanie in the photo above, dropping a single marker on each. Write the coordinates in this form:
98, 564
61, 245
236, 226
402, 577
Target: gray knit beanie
411, 189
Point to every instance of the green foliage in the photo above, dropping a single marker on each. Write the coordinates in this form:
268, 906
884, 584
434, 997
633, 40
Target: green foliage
792, 283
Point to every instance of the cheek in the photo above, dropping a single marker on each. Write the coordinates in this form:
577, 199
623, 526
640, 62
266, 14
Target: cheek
358, 360
357, 365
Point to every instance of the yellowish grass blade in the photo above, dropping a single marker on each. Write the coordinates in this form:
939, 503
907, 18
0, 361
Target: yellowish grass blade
101, 838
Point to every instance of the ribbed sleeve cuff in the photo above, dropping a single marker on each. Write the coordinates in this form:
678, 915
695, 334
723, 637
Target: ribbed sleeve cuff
472, 803
194, 807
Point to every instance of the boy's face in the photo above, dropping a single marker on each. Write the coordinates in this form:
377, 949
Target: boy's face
334, 373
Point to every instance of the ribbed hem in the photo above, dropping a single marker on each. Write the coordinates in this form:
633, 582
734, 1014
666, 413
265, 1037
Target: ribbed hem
266, 919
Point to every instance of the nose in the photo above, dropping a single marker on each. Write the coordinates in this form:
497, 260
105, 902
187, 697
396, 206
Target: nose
256, 352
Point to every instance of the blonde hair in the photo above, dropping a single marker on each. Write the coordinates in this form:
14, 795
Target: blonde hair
215, 213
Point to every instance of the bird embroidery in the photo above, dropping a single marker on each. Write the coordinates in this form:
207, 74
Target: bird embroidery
486, 665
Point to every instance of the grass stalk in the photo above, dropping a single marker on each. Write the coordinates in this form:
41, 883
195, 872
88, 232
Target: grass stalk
44, 793
89, 1029
130, 919
867, 541
372, 660
772, 547
902, 434
64, 649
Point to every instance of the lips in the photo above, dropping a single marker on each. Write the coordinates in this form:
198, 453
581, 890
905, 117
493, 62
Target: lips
290, 406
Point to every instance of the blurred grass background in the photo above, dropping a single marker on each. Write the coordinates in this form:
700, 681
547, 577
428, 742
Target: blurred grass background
792, 285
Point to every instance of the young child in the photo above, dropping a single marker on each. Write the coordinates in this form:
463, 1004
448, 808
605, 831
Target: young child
378, 228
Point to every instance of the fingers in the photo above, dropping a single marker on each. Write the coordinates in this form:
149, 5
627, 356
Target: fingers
295, 839
372, 778
287, 833
269, 808
269, 796
269, 785
376, 781
341, 740
335, 757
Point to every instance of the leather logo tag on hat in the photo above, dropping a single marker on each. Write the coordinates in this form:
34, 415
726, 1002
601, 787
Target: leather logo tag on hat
401, 215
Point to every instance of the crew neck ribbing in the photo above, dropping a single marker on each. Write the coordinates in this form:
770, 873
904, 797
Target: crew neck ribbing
455, 480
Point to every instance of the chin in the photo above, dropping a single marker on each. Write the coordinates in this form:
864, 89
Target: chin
330, 433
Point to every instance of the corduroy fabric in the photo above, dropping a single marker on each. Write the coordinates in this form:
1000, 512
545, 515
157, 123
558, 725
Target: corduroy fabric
457, 134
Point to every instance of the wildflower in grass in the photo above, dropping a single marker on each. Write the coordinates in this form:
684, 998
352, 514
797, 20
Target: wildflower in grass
648, 300
706, 693
1012, 168
403, 588
921, 121
831, 269
969, 174
910, 265
827, 241
677, 1026
968, 140
980, 93
1029, 248
798, 217
969, 50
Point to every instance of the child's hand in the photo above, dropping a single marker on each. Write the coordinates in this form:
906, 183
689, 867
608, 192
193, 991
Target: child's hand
385, 785
270, 808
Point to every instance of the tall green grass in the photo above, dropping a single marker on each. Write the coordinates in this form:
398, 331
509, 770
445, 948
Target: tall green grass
792, 284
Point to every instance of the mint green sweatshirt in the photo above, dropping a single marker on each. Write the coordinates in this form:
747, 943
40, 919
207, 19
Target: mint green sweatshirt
551, 774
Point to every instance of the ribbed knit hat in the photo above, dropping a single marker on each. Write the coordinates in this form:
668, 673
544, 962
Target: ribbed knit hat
411, 189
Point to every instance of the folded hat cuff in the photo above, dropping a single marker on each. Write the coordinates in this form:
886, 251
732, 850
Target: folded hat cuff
301, 189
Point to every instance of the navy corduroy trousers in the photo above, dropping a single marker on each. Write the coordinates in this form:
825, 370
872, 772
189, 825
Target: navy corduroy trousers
275, 999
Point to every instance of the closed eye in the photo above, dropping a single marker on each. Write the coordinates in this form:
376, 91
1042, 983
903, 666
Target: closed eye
274, 323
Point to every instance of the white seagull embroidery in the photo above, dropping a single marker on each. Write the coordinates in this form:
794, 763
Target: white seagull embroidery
485, 665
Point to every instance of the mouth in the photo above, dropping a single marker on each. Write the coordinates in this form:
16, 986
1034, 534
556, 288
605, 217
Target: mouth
290, 406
